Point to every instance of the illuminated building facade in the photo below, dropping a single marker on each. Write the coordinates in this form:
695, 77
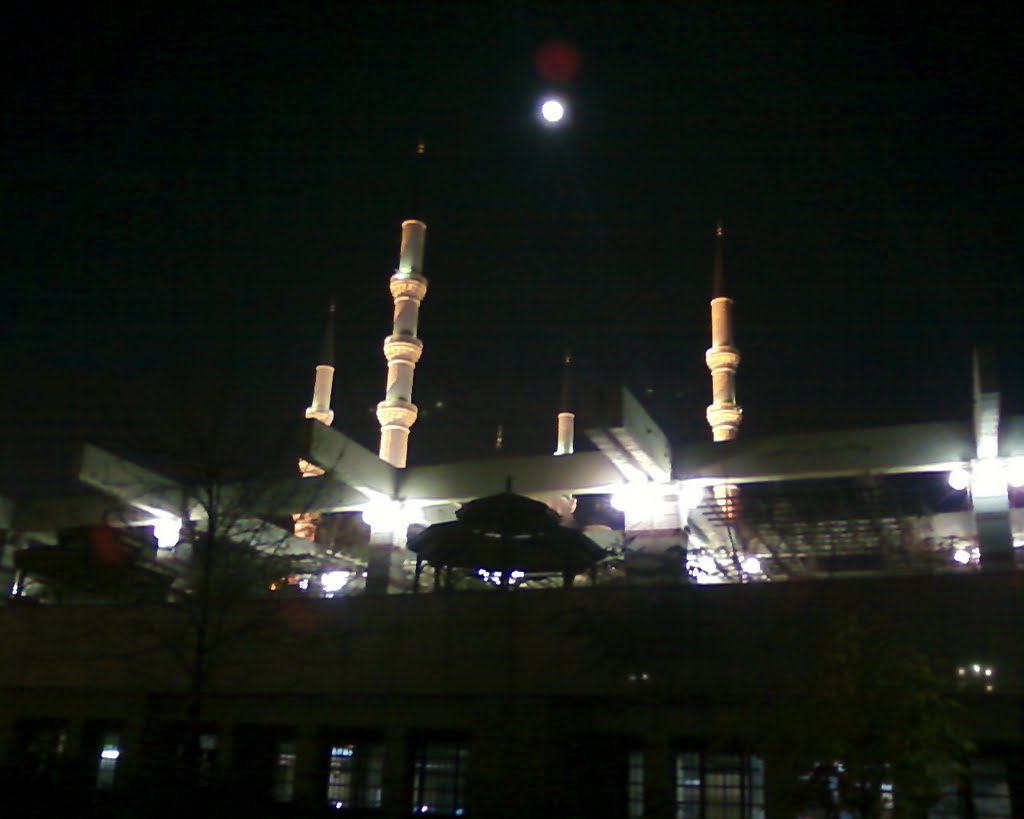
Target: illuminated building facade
644, 690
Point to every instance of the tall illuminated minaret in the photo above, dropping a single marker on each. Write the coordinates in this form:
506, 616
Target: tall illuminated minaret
320, 410
403, 348
566, 418
724, 414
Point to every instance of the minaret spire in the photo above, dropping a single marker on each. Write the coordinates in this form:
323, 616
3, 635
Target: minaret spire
403, 347
320, 408
566, 418
724, 414
718, 272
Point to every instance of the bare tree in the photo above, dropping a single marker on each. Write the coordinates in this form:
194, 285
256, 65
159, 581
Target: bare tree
236, 578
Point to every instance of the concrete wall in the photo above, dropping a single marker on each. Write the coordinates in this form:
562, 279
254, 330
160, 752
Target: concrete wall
516, 673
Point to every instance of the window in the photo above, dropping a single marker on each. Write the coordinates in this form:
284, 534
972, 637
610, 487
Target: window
604, 775
831, 789
207, 758
355, 775
990, 791
635, 784
439, 778
719, 786
282, 784
110, 753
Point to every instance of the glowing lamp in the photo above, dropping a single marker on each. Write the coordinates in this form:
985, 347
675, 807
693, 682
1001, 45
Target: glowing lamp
959, 479
751, 565
962, 556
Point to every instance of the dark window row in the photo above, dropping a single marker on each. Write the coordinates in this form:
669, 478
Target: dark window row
606, 773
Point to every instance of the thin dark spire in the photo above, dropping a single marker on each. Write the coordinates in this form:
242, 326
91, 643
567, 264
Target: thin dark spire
327, 356
566, 405
718, 275
417, 183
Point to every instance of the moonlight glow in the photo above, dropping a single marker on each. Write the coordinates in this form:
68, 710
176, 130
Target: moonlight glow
552, 111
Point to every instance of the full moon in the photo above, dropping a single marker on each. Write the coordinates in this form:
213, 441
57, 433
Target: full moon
552, 111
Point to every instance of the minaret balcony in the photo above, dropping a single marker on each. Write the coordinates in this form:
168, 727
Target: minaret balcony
722, 358
397, 413
403, 348
408, 286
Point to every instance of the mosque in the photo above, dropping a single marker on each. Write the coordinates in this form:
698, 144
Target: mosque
598, 631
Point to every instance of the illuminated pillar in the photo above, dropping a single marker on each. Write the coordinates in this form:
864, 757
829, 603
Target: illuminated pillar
319, 410
403, 348
566, 425
724, 414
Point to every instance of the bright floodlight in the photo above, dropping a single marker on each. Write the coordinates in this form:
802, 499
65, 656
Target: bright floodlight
552, 111
959, 478
691, 494
381, 514
167, 532
1015, 473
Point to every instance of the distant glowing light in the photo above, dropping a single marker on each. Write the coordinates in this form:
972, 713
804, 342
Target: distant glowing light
751, 565
334, 581
552, 111
962, 556
496, 577
959, 479
706, 563
110, 753
989, 477
702, 567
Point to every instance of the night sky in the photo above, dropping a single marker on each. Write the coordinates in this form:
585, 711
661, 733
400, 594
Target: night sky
185, 187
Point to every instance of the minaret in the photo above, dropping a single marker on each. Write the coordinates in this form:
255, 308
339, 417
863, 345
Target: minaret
403, 348
320, 410
566, 418
724, 415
